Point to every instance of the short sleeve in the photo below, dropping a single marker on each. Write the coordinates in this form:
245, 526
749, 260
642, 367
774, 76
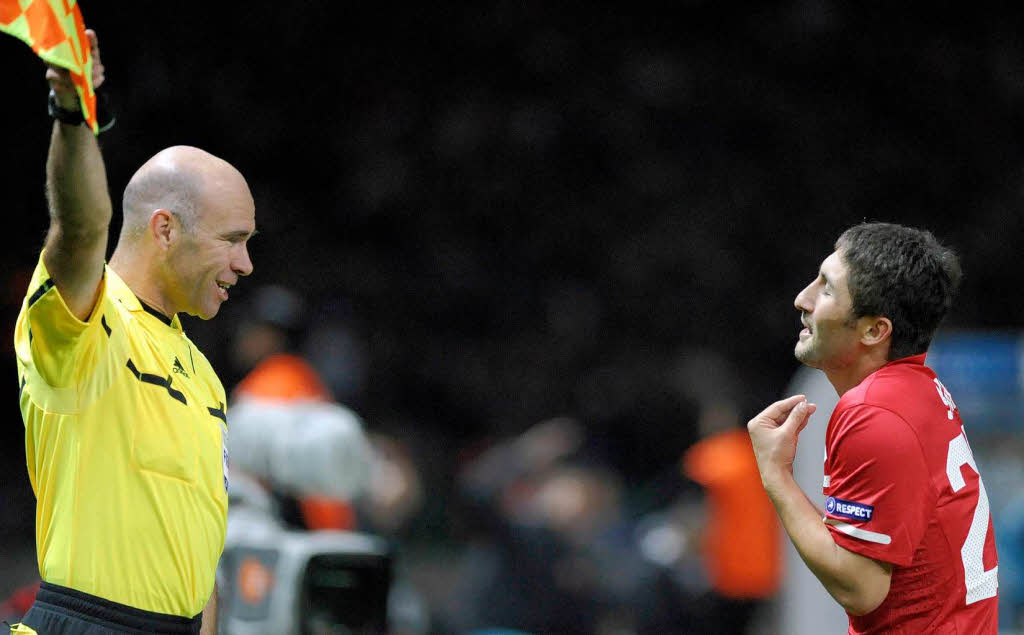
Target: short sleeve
53, 335
879, 492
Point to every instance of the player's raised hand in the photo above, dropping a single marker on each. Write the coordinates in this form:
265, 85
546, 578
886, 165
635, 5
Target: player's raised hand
774, 432
60, 78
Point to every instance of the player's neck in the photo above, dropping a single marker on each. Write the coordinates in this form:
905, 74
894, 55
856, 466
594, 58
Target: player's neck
848, 376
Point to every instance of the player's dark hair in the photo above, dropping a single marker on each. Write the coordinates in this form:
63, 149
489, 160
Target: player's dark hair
903, 274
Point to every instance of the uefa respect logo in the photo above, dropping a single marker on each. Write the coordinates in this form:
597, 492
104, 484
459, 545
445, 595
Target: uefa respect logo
848, 509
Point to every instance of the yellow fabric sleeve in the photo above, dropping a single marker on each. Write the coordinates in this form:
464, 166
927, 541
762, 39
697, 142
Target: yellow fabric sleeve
57, 338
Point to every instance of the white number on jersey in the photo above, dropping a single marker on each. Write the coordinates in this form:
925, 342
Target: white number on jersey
946, 398
981, 584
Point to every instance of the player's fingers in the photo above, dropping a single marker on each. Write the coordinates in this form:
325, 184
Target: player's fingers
779, 410
799, 416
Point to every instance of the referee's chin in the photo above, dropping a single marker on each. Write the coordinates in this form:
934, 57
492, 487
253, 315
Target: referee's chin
206, 313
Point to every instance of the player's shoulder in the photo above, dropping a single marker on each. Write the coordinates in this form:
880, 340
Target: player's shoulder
904, 389
874, 425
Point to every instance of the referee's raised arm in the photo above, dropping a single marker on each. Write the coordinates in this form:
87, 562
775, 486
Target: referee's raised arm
79, 201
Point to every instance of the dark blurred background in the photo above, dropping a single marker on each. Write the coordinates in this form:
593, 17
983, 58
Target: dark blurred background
511, 212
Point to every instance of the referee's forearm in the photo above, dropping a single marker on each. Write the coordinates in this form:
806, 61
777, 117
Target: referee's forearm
76, 181
80, 213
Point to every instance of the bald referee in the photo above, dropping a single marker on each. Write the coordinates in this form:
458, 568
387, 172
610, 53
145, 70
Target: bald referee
125, 425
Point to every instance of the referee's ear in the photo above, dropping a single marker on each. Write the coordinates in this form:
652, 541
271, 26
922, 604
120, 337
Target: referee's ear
164, 228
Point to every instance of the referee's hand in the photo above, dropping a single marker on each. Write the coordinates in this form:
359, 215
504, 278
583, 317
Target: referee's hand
60, 78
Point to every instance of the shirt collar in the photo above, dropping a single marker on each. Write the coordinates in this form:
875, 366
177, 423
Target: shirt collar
916, 360
119, 290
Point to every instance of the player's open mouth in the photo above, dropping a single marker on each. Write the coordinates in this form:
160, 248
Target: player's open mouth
223, 290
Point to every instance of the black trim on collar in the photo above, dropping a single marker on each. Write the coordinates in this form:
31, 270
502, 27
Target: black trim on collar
160, 316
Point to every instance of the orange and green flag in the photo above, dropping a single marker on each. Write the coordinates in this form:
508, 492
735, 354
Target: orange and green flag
55, 31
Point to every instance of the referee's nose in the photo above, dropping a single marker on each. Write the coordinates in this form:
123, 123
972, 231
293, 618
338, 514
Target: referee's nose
241, 264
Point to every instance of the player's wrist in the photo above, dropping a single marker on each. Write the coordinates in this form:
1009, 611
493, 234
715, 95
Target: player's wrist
775, 477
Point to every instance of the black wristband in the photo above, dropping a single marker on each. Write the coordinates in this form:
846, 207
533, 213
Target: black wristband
70, 117
104, 113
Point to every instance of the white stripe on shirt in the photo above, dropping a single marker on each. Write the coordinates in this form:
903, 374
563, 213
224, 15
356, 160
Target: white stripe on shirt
857, 532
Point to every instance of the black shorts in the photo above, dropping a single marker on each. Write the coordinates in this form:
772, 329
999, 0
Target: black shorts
62, 611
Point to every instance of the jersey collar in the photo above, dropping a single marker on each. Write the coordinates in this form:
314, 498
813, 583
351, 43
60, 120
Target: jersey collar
916, 360
118, 289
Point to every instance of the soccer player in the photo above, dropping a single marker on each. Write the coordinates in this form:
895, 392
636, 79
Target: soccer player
125, 419
906, 545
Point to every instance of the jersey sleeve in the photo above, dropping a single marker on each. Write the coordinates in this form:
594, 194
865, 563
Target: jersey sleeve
879, 491
53, 337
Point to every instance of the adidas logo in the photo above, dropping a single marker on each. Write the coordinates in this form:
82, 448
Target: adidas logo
179, 369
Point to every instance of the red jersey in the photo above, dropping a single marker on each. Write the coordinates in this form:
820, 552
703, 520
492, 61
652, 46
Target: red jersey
902, 487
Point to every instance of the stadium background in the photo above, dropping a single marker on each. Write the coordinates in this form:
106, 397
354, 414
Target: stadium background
512, 212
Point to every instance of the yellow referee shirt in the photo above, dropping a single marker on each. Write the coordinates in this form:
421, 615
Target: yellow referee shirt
125, 440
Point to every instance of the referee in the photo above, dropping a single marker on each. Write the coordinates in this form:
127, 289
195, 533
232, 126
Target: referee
125, 425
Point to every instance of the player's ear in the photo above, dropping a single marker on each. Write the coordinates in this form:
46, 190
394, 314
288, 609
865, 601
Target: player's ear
164, 227
875, 330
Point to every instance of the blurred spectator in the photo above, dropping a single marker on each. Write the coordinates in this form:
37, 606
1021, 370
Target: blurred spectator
395, 492
1009, 528
1000, 456
301, 448
740, 542
307, 461
263, 347
552, 549
284, 377
337, 352
14, 607
273, 320
730, 526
